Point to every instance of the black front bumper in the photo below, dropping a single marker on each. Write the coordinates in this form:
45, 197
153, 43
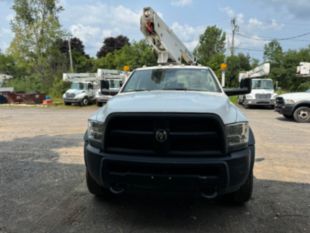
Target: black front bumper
285, 109
223, 174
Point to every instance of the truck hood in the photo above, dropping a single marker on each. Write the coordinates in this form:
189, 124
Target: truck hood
173, 101
297, 96
74, 91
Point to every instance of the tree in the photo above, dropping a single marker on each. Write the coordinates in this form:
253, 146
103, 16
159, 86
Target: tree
235, 65
273, 52
36, 28
111, 44
76, 45
134, 55
81, 61
211, 43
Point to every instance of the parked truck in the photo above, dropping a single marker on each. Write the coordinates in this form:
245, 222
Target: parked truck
115, 80
263, 90
82, 90
171, 128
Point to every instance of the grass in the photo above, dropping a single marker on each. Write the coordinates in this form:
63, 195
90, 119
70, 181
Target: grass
234, 99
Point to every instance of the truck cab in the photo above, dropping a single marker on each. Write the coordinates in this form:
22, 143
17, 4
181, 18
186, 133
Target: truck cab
105, 93
82, 93
262, 94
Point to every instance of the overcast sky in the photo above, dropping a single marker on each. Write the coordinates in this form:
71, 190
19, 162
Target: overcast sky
259, 21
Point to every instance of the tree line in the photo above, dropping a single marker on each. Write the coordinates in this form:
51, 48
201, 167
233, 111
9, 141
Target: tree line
39, 53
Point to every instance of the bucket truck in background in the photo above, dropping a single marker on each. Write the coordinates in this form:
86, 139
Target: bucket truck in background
262, 93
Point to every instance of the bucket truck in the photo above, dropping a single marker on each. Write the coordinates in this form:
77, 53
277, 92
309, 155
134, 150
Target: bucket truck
171, 128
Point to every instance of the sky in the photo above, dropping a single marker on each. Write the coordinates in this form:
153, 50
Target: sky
259, 21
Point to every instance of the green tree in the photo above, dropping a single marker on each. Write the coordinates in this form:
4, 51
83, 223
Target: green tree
135, 55
273, 52
211, 43
81, 61
235, 65
36, 29
111, 44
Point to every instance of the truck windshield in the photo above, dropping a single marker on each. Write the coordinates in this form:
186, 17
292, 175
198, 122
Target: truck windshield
262, 84
77, 86
172, 79
115, 83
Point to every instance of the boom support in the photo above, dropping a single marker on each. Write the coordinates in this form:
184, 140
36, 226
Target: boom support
167, 45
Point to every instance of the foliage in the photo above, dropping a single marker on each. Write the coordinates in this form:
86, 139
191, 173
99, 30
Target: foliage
111, 44
81, 61
211, 43
136, 55
36, 28
283, 66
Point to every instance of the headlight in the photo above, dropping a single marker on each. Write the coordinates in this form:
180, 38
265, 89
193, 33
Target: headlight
95, 132
274, 96
248, 97
237, 135
289, 101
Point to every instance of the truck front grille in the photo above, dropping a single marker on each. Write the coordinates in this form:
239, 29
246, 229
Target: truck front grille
165, 134
262, 96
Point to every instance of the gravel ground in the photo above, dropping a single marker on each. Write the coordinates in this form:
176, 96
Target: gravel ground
43, 186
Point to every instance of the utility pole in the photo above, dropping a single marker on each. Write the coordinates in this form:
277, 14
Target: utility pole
235, 28
70, 54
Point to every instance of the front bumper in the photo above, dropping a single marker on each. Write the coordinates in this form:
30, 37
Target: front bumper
285, 109
259, 102
71, 100
103, 99
222, 174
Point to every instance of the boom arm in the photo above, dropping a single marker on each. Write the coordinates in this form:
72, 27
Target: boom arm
167, 45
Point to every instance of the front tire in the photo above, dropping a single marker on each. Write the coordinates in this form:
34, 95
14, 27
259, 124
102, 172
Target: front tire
302, 114
243, 194
96, 189
85, 101
99, 104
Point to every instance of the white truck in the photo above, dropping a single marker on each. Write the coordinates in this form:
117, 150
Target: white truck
82, 90
263, 91
115, 79
171, 128
296, 105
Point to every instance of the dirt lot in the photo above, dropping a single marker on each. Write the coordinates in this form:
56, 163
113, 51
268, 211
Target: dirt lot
43, 186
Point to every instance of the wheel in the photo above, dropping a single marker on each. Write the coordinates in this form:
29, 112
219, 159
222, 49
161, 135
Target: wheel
85, 101
99, 104
96, 189
302, 114
67, 103
288, 116
242, 195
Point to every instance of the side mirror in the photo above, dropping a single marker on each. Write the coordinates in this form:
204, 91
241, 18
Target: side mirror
245, 88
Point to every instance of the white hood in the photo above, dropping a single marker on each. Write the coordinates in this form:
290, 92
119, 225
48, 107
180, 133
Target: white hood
297, 96
173, 101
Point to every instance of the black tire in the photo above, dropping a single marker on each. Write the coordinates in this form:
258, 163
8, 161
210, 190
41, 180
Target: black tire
85, 101
302, 114
99, 104
96, 189
242, 195
67, 103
